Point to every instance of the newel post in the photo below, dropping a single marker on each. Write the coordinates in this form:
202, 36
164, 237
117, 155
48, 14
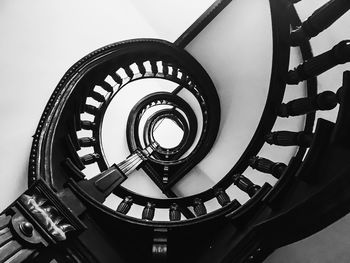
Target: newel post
37, 220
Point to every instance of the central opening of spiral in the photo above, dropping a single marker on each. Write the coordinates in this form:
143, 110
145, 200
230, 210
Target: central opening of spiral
167, 133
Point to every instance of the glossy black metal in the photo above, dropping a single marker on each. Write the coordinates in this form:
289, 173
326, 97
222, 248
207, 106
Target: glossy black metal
288, 138
320, 20
311, 83
339, 54
267, 166
246, 185
133, 126
201, 23
326, 100
125, 205
103, 184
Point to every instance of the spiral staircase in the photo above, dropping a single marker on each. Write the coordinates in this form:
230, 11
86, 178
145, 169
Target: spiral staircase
104, 135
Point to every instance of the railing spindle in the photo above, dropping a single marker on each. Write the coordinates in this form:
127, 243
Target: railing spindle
106, 86
174, 213
91, 109
87, 141
154, 67
125, 205
116, 77
326, 100
90, 158
129, 72
97, 96
199, 207
87, 125
148, 211
246, 185
320, 20
141, 67
339, 54
222, 197
267, 166
288, 138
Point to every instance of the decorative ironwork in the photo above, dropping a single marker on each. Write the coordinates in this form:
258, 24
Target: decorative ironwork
222, 197
339, 54
47, 216
246, 185
125, 205
266, 166
174, 213
37, 220
288, 138
148, 212
326, 100
320, 20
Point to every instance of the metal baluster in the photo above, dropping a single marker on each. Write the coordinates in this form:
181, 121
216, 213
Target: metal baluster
288, 138
129, 72
154, 67
87, 141
222, 197
326, 100
320, 20
246, 185
339, 54
106, 86
199, 207
125, 205
141, 67
174, 213
97, 96
91, 109
87, 125
148, 211
115, 76
267, 166
90, 158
